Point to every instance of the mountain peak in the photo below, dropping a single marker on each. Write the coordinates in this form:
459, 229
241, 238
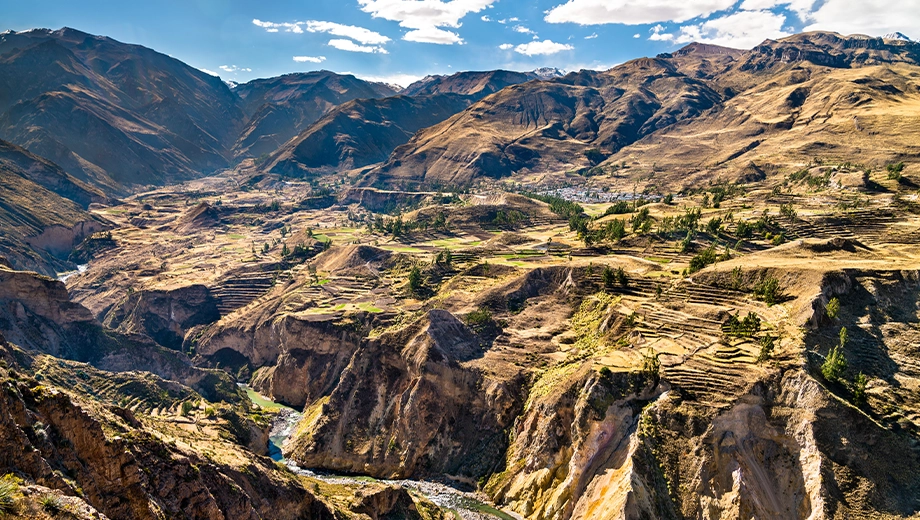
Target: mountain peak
548, 72
897, 36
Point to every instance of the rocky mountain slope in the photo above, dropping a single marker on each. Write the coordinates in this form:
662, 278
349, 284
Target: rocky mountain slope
366, 131
723, 101
42, 212
87, 443
279, 108
150, 118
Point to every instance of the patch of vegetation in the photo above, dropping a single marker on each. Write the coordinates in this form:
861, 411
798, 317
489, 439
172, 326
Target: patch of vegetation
832, 309
894, 170
835, 364
745, 327
767, 344
51, 504
767, 290
9, 495
618, 208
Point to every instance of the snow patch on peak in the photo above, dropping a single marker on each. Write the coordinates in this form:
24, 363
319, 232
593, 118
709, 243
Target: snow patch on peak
897, 36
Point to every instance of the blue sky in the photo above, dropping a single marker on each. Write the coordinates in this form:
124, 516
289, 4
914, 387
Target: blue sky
402, 40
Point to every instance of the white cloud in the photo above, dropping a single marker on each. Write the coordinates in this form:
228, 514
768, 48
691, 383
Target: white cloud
545, 47
502, 21
591, 36
425, 17
633, 12
485, 18
234, 68
523, 30
659, 35
350, 46
872, 17
209, 72
742, 29
514, 19
403, 80
359, 34
506, 46
636, 35
309, 59
801, 7
433, 35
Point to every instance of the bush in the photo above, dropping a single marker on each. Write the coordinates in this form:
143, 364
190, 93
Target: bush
9, 495
479, 317
766, 348
415, 279
859, 388
835, 364
187, 407
832, 309
894, 170
51, 503
618, 208
620, 276
607, 277
707, 257
767, 290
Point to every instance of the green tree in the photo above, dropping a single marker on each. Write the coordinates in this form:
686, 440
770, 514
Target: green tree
608, 277
834, 365
832, 309
766, 348
415, 279
859, 388
767, 290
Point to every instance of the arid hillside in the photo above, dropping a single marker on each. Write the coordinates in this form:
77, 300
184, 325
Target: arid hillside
279, 108
698, 110
112, 114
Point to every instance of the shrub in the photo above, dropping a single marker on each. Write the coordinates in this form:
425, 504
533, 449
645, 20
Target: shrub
415, 279
187, 407
766, 348
714, 226
479, 317
51, 503
859, 388
767, 290
607, 277
668, 199
618, 208
834, 365
832, 309
707, 257
595, 156
620, 276
894, 170
744, 230
9, 495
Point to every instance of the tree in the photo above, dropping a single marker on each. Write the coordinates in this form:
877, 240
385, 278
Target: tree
832, 309
859, 388
285, 252
608, 277
894, 170
767, 290
620, 276
415, 279
834, 365
594, 156
766, 348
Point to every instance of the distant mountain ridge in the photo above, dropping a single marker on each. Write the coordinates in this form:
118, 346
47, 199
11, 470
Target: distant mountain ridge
110, 113
629, 111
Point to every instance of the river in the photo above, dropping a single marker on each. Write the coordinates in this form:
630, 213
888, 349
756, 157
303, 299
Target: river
465, 505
